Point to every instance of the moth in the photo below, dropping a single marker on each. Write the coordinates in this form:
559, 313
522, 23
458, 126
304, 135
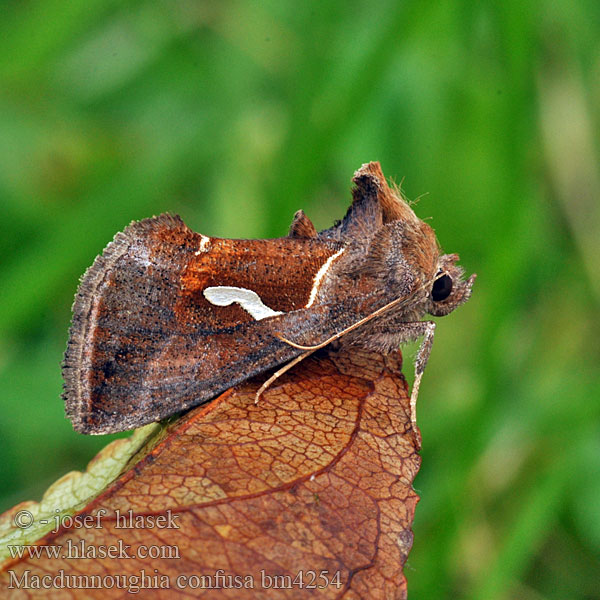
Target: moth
166, 318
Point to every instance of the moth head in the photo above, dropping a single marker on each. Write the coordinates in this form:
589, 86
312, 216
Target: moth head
448, 288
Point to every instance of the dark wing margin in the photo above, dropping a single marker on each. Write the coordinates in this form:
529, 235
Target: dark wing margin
76, 364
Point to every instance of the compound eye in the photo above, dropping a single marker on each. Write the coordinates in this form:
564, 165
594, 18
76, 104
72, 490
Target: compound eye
442, 287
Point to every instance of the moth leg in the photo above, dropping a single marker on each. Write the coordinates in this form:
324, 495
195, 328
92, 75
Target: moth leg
279, 373
383, 340
427, 330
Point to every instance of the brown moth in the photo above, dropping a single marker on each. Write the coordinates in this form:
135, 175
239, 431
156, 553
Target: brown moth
166, 318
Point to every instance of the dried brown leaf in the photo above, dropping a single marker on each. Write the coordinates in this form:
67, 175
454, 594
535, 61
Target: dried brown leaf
316, 478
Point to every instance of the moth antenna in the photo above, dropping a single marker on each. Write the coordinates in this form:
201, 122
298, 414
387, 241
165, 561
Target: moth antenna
397, 302
279, 373
294, 345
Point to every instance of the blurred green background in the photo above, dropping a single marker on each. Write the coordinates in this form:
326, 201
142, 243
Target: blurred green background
236, 114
